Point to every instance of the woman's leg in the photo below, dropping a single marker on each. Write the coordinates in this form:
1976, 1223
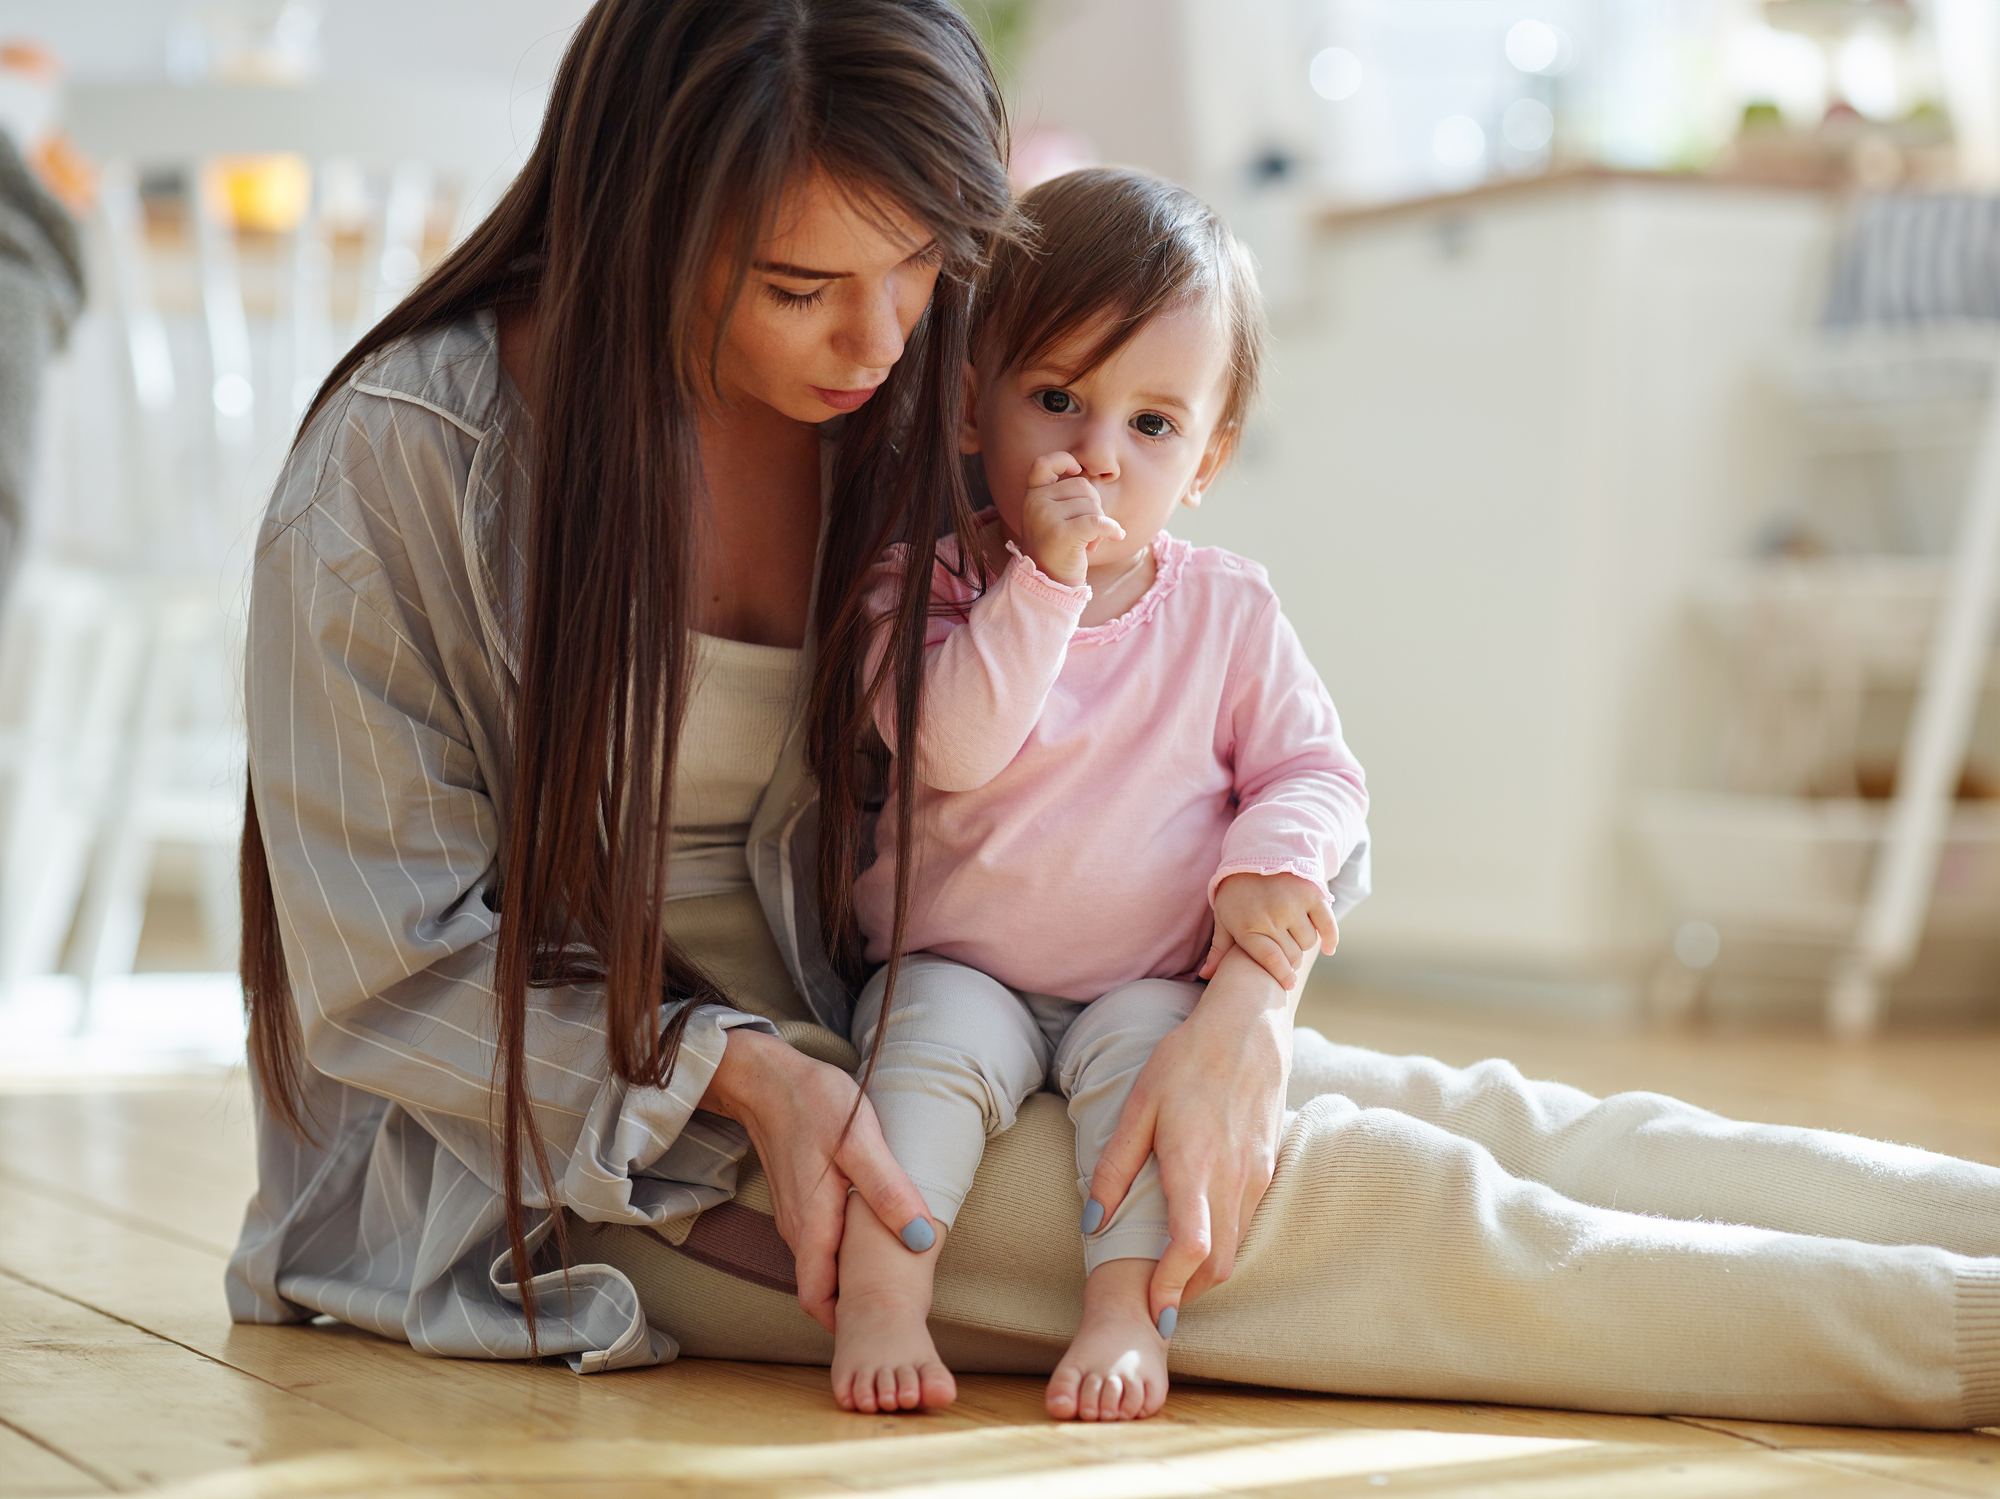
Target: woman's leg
1646, 1153
1393, 1259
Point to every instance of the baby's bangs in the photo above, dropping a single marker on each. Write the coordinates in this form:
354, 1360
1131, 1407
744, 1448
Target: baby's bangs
1124, 315
1116, 247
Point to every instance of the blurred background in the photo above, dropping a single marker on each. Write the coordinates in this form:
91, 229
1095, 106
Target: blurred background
1630, 465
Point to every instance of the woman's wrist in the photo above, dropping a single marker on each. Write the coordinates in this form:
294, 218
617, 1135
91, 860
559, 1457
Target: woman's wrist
752, 1060
1247, 993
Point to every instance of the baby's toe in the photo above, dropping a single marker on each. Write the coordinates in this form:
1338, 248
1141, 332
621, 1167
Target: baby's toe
1061, 1400
864, 1392
936, 1387
885, 1389
1088, 1395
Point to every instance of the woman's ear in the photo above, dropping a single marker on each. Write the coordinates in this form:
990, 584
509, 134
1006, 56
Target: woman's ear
968, 419
1220, 447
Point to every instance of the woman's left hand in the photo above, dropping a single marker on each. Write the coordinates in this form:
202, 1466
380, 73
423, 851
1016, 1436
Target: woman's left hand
1208, 1104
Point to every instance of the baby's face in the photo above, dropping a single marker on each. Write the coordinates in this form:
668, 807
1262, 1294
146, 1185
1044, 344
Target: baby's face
1142, 424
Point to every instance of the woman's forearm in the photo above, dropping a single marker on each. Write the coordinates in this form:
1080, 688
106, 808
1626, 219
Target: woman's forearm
752, 1065
1243, 994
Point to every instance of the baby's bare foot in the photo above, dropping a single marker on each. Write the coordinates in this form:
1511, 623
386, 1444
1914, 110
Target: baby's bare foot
1116, 1367
883, 1356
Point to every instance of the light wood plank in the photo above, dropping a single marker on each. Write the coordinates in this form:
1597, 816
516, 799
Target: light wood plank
1093, 1463
27, 1468
139, 1411
1956, 1462
128, 1206
178, 1160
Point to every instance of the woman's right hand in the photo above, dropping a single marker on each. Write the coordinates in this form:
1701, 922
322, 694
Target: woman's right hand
794, 1109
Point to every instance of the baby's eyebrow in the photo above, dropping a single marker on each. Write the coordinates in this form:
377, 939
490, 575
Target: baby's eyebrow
1160, 398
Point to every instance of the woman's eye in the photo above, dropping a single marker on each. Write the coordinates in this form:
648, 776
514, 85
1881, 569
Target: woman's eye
794, 298
1152, 424
1057, 402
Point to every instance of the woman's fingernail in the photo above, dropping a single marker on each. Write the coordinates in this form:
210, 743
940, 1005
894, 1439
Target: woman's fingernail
918, 1235
1168, 1319
1093, 1216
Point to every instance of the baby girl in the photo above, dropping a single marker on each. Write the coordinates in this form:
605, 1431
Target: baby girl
1126, 767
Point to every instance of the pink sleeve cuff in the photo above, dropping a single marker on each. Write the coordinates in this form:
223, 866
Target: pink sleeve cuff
1023, 573
1306, 869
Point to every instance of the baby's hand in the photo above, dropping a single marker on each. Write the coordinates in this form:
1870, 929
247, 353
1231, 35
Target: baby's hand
1275, 918
1062, 519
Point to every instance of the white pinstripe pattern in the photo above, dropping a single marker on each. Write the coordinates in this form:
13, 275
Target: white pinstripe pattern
378, 679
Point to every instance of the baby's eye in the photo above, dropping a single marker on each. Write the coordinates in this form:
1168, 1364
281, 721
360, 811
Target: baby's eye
1057, 402
1152, 424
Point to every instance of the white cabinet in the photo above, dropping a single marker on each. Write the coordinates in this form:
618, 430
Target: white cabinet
1505, 435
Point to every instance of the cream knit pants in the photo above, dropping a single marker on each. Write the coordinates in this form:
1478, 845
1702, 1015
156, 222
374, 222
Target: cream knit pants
963, 1052
1449, 1233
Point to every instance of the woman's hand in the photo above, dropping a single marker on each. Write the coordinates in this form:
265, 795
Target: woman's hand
1208, 1104
794, 1109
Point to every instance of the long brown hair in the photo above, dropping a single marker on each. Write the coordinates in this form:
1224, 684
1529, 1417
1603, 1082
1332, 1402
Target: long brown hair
674, 129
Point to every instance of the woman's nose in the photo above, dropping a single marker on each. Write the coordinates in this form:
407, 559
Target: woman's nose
873, 337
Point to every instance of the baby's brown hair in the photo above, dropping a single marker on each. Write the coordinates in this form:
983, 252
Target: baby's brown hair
1109, 242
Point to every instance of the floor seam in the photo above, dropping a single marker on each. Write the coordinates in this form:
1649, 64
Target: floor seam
61, 1456
83, 1204
1822, 1458
1701, 1423
151, 1332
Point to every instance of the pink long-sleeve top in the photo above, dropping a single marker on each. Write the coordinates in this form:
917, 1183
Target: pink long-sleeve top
1082, 791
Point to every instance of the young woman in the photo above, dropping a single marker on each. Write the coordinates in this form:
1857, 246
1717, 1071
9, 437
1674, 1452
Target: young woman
556, 808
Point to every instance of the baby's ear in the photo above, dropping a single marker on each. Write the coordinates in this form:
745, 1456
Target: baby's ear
968, 418
1220, 447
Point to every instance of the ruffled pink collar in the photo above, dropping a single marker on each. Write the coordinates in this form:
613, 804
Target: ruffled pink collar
1170, 554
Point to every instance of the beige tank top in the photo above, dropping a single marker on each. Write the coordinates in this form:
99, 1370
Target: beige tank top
740, 710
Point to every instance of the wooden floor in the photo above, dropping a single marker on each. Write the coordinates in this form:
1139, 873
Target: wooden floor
120, 1371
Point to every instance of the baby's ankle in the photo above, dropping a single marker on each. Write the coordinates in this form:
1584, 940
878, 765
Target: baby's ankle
1121, 1289
876, 1265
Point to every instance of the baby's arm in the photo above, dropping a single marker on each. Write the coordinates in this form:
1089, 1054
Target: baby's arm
1302, 806
988, 667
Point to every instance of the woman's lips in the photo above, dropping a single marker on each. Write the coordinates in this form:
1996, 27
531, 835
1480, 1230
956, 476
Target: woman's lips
845, 400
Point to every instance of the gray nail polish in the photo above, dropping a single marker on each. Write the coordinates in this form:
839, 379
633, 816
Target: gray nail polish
1093, 1216
918, 1235
1168, 1319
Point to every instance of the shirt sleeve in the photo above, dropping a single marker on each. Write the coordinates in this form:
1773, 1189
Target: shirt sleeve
1302, 801
989, 662
382, 838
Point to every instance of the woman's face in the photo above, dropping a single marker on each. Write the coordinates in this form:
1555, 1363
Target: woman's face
830, 298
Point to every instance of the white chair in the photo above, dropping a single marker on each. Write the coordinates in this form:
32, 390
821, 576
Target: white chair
120, 726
